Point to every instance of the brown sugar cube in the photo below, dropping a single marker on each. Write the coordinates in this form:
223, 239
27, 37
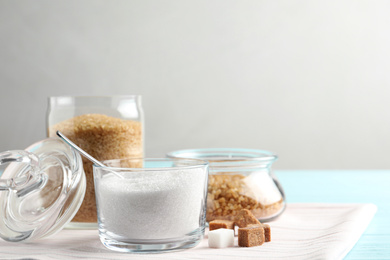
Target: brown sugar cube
251, 236
267, 232
217, 224
245, 218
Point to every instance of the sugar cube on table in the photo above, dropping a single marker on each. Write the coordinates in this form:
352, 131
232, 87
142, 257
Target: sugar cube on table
252, 235
267, 232
217, 224
244, 218
221, 238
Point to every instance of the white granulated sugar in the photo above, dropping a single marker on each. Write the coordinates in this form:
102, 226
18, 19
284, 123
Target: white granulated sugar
152, 205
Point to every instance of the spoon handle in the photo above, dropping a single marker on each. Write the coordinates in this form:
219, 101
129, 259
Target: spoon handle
84, 153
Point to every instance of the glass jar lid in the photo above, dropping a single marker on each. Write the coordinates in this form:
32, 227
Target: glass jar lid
41, 189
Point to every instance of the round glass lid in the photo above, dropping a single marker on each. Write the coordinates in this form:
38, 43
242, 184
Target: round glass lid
41, 189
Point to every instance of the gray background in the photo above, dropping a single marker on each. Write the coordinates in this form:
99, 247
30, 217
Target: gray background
308, 80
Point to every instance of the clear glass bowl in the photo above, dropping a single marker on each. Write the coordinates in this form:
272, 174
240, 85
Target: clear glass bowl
107, 127
151, 205
239, 179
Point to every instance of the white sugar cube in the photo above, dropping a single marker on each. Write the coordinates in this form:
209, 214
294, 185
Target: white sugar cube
221, 238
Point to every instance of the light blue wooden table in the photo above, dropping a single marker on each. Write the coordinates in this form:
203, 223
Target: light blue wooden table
352, 186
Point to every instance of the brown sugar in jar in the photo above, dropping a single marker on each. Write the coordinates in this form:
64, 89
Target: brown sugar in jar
103, 137
239, 179
228, 194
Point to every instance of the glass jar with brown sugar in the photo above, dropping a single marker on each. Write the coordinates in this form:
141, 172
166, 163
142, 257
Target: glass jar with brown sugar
107, 127
239, 179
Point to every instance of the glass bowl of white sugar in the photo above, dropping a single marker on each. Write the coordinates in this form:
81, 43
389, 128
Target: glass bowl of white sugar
151, 205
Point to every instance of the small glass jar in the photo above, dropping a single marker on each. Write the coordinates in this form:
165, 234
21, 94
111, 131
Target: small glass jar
239, 179
151, 205
107, 127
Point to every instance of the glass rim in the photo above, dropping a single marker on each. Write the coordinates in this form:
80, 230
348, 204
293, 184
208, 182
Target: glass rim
224, 157
226, 154
196, 164
92, 96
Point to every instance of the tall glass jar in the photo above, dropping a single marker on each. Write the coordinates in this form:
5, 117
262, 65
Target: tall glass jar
107, 127
239, 179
